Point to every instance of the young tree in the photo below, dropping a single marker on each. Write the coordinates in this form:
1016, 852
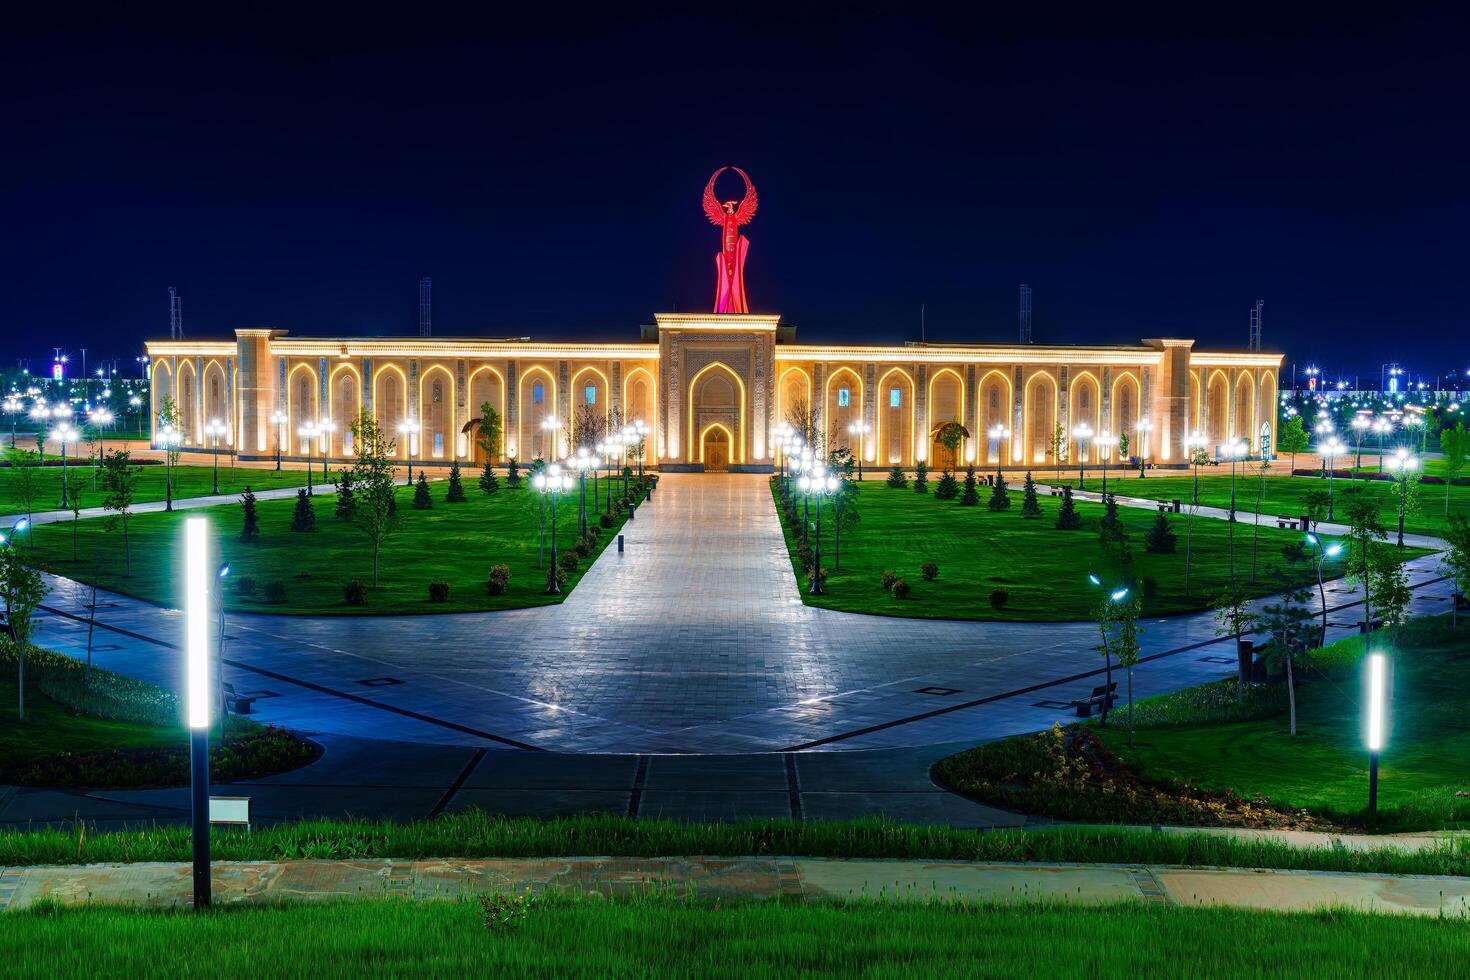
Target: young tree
968, 495
346, 498
1456, 561
806, 422
1262, 470
489, 482
1030, 504
921, 477
421, 498
1316, 504
1292, 439
1160, 539
455, 492
1057, 447
1365, 533
1289, 622
1110, 530
947, 487
24, 478
1234, 618
896, 478
372, 470
1000, 497
1455, 444
1125, 644
1123, 447
513, 473
303, 518
23, 590
1389, 584
1067, 517
250, 518
951, 436
120, 486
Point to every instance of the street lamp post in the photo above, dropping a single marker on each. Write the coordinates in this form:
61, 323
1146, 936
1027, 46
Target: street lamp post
196, 646
1360, 424
1236, 450
1324, 430
278, 420
1403, 463
408, 428
13, 407
552, 481
100, 417
1382, 426
308, 432
1323, 553
860, 429
326, 427
214, 428
640, 430
1195, 444
1377, 695
817, 481
1330, 451
1082, 432
998, 434
1105, 442
170, 438
1144, 428
66, 434
552, 424
582, 461
805, 464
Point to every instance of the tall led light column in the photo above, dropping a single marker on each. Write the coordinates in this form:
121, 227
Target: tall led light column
1377, 684
196, 651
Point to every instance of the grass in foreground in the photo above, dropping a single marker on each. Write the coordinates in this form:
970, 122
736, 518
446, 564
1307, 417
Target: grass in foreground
456, 543
188, 481
1197, 747
667, 937
477, 834
1285, 496
1043, 569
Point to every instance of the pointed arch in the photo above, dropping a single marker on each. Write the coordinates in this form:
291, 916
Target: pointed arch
1125, 409
894, 429
792, 383
214, 398
1193, 412
1039, 415
344, 401
837, 417
302, 388
704, 433
1245, 410
1269, 412
601, 400
1217, 410
945, 407
993, 408
1085, 405
159, 389
187, 401
531, 434
640, 402
485, 384
738, 450
436, 408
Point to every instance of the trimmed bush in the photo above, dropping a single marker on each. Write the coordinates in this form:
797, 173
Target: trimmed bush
275, 592
1067, 517
896, 478
245, 586
887, 579
1000, 497
921, 477
1150, 588
582, 548
606, 521
1161, 539
930, 571
1110, 530
455, 493
422, 500
948, 488
250, 529
568, 561
1030, 505
969, 497
499, 579
355, 593
999, 596
346, 500
303, 518
489, 482
439, 591
513, 473
901, 589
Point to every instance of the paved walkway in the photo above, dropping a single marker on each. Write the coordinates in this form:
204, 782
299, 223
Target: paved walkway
734, 879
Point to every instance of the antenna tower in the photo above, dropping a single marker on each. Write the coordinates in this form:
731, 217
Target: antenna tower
426, 307
1256, 324
175, 315
1025, 314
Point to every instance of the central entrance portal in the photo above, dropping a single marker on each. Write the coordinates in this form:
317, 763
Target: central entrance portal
716, 449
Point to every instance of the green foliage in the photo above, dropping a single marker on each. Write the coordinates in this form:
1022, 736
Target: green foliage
948, 488
1000, 497
969, 498
929, 570
1456, 559
1292, 438
489, 481
455, 492
900, 588
376, 507
1110, 530
513, 473
1455, 445
438, 590
1067, 517
354, 593
250, 519
487, 429
1316, 504
1000, 597
921, 477
346, 497
303, 518
422, 500
1161, 539
23, 478
23, 590
499, 579
896, 478
1030, 503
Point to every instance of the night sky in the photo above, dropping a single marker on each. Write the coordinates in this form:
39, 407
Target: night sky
1147, 178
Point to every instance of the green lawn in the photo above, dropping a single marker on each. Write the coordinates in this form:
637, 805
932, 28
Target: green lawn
1324, 768
457, 543
662, 936
1285, 495
188, 481
1044, 569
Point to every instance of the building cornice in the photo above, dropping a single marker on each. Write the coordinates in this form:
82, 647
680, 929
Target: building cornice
189, 348
1250, 359
956, 354
347, 348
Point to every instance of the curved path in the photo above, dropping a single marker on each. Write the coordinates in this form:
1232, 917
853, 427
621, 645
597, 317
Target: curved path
694, 639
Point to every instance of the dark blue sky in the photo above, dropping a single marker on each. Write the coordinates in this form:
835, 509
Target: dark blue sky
1146, 178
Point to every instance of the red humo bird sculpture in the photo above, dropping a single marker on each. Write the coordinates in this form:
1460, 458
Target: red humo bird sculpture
730, 263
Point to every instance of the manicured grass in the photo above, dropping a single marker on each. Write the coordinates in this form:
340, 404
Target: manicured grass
1044, 569
662, 936
457, 543
188, 481
99, 733
1324, 769
477, 834
1285, 496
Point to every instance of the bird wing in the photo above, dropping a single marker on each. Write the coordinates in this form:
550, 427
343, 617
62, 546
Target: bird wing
711, 203
746, 211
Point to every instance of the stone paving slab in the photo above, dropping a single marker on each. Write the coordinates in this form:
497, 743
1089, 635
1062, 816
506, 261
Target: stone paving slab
728, 879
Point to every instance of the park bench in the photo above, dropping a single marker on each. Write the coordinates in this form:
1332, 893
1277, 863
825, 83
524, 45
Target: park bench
1100, 694
240, 704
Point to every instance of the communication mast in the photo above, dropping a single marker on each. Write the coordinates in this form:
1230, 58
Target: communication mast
175, 315
1255, 343
1025, 314
426, 307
